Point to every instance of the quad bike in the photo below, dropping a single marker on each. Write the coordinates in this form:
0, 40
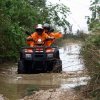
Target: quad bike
39, 59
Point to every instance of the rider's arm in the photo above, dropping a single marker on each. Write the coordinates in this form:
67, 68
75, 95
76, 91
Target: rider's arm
58, 35
30, 40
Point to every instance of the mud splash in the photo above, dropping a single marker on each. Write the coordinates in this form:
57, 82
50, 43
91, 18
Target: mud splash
15, 86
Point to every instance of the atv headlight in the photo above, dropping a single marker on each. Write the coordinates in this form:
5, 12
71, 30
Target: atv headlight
50, 55
28, 55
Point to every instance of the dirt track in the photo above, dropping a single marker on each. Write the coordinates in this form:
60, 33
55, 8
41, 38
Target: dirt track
56, 94
53, 94
60, 93
2, 97
51, 86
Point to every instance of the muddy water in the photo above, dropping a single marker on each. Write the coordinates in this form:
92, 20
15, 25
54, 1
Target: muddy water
15, 86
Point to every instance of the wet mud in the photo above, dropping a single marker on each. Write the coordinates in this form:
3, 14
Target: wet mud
15, 86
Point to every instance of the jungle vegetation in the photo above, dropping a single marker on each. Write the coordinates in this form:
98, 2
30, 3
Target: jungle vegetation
91, 52
18, 16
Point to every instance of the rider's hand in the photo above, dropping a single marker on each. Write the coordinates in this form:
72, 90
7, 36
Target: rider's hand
51, 38
29, 39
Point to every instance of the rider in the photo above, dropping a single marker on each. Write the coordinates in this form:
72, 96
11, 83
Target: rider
37, 36
50, 31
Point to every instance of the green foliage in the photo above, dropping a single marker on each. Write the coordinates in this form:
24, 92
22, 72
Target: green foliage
10, 32
93, 40
91, 51
91, 54
17, 16
58, 10
14, 16
94, 21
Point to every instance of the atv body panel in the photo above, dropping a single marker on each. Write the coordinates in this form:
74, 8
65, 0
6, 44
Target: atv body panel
39, 59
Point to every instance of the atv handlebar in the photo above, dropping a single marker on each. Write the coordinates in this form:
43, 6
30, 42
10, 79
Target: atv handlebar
48, 39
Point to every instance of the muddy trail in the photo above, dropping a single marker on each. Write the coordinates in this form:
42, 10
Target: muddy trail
46, 86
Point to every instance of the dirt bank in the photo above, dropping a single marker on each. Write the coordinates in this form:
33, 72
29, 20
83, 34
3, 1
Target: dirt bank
55, 94
2, 97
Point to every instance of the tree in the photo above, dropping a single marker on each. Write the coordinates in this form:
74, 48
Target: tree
94, 21
57, 14
19, 15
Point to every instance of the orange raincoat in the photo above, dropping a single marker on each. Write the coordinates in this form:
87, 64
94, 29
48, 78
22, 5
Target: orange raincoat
56, 35
35, 37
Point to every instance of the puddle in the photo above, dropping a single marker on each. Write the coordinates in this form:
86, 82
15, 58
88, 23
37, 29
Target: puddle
72, 60
15, 86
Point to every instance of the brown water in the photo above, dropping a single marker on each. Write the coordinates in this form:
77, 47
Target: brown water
15, 86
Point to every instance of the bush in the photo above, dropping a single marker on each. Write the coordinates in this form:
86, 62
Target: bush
91, 54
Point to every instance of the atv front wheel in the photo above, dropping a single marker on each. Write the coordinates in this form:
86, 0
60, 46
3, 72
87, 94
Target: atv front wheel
57, 68
20, 67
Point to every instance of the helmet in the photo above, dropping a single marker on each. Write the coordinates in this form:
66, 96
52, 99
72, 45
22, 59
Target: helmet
39, 29
39, 26
46, 26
